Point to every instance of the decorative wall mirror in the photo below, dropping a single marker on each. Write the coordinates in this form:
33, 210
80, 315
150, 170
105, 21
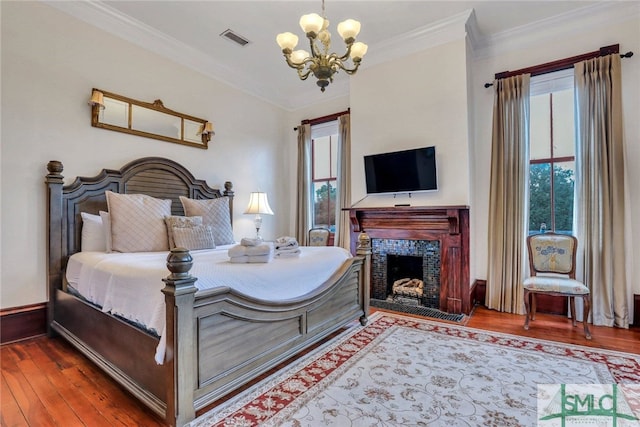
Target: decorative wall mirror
152, 120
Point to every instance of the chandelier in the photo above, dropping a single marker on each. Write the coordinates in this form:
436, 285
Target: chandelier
320, 62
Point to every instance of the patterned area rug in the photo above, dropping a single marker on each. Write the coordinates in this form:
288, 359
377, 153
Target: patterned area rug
401, 371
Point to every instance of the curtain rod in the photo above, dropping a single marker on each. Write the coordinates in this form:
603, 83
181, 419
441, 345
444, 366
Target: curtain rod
323, 119
561, 64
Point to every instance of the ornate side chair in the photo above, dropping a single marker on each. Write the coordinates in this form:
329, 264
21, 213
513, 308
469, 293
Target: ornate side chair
553, 272
319, 236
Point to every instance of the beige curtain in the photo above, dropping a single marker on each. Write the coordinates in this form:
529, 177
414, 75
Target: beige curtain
343, 199
508, 213
600, 201
303, 205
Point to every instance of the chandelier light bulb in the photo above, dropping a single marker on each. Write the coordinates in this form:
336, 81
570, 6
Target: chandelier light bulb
349, 29
358, 50
287, 40
311, 23
298, 56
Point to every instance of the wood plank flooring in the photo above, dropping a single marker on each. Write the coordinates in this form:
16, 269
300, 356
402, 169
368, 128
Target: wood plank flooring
45, 382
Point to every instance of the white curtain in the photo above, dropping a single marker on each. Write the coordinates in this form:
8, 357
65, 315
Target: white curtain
508, 198
600, 182
343, 197
303, 205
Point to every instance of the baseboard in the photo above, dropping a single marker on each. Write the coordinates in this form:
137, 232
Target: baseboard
19, 323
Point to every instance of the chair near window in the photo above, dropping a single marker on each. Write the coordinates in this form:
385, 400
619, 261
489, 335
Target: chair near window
553, 272
319, 236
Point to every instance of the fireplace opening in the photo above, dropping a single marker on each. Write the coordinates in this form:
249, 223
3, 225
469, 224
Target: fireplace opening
405, 279
397, 259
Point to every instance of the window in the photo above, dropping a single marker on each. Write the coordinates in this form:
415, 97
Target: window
552, 153
324, 172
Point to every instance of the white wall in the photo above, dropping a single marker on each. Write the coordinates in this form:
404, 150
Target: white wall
50, 62
626, 32
416, 101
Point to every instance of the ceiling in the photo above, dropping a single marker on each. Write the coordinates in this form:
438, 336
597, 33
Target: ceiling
189, 32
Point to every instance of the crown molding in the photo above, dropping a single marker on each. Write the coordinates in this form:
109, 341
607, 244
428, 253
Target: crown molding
422, 38
446, 30
553, 28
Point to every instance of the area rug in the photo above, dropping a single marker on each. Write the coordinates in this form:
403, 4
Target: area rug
404, 371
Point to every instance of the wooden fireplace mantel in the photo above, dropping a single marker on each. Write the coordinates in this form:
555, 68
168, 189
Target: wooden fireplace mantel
447, 224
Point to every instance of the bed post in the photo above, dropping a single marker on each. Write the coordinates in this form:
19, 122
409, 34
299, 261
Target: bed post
54, 181
229, 193
364, 249
180, 356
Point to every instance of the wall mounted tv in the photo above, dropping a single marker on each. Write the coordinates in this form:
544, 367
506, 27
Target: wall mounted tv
405, 171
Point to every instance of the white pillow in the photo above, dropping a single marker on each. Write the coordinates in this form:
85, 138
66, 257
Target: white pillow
93, 235
137, 222
106, 226
214, 212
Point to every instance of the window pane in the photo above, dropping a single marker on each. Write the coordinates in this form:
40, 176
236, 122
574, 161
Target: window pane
539, 133
324, 204
539, 200
563, 126
322, 158
563, 175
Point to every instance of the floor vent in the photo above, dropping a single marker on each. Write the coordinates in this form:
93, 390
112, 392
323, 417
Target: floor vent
230, 35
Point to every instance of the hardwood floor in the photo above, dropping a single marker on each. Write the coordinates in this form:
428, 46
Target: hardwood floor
45, 382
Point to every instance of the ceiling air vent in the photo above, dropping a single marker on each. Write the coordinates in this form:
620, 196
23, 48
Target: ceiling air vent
230, 35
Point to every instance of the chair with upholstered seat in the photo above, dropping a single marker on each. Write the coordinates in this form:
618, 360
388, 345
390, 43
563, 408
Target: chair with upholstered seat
553, 272
319, 236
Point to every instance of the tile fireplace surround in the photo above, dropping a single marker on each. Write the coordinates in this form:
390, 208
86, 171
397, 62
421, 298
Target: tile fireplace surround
447, 224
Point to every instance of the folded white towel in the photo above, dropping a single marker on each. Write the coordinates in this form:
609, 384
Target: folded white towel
288, 253
286, 242
288, 249
262, 249
245, 259
240, 250
247, 241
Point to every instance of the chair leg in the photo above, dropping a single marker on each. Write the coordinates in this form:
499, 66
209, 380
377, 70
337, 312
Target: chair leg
585, 316
526, 308
533, 306
572, 306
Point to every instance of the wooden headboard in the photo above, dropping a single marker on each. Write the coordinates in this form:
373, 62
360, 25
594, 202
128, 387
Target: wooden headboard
154, 176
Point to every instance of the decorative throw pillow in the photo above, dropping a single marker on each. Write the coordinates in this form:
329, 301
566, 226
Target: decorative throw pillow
193, 238
180, 222
106, 229
137, 222
93, 237
214, 212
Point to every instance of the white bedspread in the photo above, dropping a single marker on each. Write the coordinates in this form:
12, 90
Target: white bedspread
129, 285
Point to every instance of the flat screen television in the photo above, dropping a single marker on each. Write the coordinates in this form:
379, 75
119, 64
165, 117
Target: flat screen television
404, 171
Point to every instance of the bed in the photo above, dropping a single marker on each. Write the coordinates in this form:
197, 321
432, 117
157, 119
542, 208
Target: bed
216, 339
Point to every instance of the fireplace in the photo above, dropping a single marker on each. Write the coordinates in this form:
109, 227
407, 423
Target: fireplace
395, 259
438, 236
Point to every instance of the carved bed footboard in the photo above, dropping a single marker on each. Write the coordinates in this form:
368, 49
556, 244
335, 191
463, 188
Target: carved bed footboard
217, 340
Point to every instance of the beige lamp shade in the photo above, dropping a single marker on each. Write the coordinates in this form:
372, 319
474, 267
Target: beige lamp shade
258, 204
97, 98
206, 129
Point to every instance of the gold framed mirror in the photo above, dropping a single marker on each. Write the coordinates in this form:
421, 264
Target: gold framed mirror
152, 120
